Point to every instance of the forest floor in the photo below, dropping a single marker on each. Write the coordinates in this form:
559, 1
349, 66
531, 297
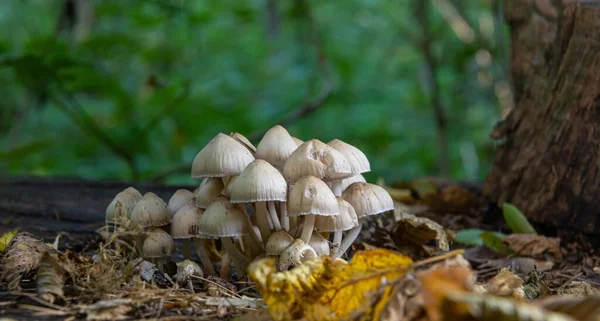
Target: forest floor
444, 243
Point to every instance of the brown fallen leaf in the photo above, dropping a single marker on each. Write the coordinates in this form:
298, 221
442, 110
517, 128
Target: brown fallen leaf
535, 246
506, 283
23, 254
413, 230
440, 280
51, 277
108, 310
582, 308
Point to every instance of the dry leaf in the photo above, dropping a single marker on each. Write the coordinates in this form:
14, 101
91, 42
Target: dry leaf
440, 280
411, 229
582, 309
51, 277
478, 307
23, 254
535, 246
6, 238
506, 283
326, 289
258, 315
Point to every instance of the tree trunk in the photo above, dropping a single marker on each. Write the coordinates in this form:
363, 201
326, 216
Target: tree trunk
548, 164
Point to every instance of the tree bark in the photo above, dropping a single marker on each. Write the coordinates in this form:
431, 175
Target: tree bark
548, 164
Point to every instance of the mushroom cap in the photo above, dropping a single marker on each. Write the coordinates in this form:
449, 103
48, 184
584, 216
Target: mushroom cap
222, 156
350, 180
276, 146
122, 205
296, 253
311, 195
259, 182
134, 192
186, 222
319, 244
179, 199
368, 199
298, 141
317, 159
208, 191
158, 244
151, 210
346, 220
356, 158
277, 242
244, 141
223, 219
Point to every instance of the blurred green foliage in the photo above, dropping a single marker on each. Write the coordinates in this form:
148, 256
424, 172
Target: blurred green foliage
126, 89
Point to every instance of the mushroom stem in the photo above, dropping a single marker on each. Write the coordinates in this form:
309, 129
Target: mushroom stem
284, 218
211, 250
273, 213
262, 219
203, 256
160, 263
226, 266
186, 248
293, 223
337, 240
307, 229
241, 260
348, 240
336, 187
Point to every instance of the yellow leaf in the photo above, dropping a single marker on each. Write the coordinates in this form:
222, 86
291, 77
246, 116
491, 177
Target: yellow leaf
327, 289
6, 238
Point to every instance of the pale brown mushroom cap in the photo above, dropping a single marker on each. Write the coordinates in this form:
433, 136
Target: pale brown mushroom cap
179, 199
229, 184
151, 210
122, 205
346, 220
134, 192
208, 191
319, 244
158, 244
311, 195
294, 254
223, 219
368, 199
186, 222
276, 146
222, 156
277, 242
356, 158
317, 159
244, 141
259, 182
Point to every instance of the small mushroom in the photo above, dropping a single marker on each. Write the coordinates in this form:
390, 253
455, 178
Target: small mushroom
298, 141
262, 184
150, 211
310, 197
186, 226
277, 242
276, 146
226, 220
317, 159
294, 254
319, 244
356, 159
344, 183
119, 210
346, 220
222, 156
244, 141
208, 191
158, 247
366, 199
179, 199
186, 270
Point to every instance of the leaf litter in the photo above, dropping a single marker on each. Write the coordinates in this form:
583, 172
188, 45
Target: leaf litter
405, 266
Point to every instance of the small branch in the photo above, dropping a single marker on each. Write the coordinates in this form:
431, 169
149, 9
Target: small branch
273, 19
164, 112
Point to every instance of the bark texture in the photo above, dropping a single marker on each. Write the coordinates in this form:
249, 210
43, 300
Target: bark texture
548, 163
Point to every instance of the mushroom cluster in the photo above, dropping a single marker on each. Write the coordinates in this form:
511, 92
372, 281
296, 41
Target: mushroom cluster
285, 198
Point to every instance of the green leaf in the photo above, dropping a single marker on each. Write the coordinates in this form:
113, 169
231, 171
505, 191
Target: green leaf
494, 242
515, 220
472, 236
